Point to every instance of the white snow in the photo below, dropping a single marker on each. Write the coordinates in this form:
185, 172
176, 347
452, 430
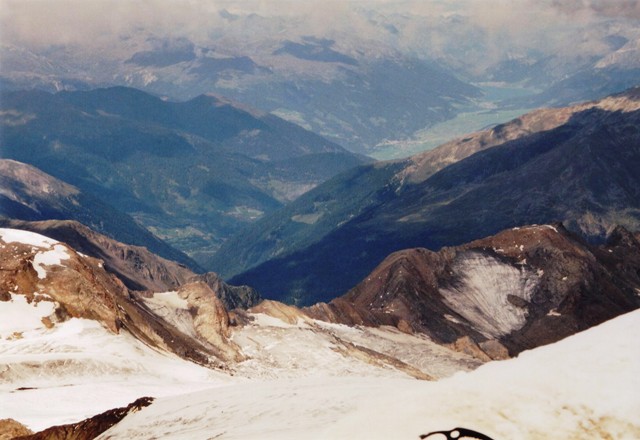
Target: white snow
452, 318
26, 237
18, 316
51, 257
278, 350
482, 295
299, 385
168, 299
78, 360
585, 387
78, 369
173, 309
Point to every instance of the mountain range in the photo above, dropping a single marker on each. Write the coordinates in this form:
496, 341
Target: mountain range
575, 164
500, 295
191, 172
196, 240
406, 69
452, 311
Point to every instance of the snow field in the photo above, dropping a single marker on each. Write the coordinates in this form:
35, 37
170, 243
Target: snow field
585, 387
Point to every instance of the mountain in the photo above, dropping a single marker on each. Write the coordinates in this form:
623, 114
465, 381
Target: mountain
64, 284
601, 76
355, 93
72, 331
138, 268
362, 75
575, 165
520, 289
26, 193
191, 172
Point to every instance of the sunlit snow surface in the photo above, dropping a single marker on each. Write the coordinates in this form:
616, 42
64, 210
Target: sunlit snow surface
26, 237
585, 387
79, 369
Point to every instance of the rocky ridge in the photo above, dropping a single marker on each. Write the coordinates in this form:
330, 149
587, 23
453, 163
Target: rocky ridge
46, 270
90, 428
500, 295
137, 267
576, 165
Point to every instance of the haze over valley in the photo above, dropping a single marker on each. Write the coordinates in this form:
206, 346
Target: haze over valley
300, 219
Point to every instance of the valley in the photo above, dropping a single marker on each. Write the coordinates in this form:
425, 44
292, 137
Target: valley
326, 220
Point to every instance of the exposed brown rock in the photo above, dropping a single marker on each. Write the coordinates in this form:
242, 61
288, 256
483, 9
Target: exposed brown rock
10, 429
90, 428
80, 287
494, 349
210, 319
135, 266
468, 346
283, 312
497, 296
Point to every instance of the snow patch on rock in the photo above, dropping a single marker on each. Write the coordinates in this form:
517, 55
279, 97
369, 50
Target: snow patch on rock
26, 237
173, 309
51, 257
19, 316
481, 295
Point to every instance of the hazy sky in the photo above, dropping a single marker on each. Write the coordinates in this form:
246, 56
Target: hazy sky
100, 22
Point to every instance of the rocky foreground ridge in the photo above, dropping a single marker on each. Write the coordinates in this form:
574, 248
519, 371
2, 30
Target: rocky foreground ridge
190, 321
491, 298
137, 267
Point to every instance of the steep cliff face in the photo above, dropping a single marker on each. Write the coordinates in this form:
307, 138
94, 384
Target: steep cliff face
39, 269
519, 289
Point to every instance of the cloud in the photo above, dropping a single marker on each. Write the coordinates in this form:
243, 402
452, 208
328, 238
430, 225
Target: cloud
484, 31
602, 8
88, 22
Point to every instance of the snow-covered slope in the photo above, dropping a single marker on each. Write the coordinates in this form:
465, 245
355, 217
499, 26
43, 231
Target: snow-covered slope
585, 387
294, 377
76, 369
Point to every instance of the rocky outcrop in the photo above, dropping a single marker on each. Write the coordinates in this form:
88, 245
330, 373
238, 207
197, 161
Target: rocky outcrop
46, 269
135, 266
210, 320
519, 289
90, 428
233, 297
10, 429
191, 322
